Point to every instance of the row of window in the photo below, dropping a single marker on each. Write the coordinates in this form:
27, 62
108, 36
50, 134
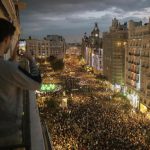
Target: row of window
139, 34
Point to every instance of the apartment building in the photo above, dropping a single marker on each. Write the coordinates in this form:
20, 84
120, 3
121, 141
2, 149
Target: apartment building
52, 45
57, 45
114, 43
137, 72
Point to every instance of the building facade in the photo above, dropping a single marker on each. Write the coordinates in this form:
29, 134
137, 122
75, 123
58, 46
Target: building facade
52, 45
138, 64
38, 48
114, 43
92, 49
57, 45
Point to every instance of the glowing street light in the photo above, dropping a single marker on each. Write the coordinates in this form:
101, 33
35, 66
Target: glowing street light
118, 43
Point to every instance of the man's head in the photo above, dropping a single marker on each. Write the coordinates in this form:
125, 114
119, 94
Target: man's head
7, 30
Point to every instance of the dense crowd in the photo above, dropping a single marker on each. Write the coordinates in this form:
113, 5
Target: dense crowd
97, 121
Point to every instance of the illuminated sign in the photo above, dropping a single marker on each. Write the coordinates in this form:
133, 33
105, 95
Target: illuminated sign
49, 87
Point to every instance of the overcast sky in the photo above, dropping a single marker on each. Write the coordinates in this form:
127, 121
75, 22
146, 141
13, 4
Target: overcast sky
71, 18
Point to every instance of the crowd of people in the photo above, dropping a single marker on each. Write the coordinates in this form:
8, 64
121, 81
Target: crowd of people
97, 121
92, 124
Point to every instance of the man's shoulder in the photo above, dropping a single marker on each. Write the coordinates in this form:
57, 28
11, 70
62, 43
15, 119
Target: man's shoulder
8, 65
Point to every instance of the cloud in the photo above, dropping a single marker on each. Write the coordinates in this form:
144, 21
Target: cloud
65, 6
72, 17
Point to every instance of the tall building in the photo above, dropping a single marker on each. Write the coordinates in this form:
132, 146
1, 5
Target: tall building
92, 49
138, 64
52, 45
114, 43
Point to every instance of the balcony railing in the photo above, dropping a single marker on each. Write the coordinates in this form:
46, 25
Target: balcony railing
133, 70
133, 78
130, 84
133, 62
25, 127
145, 66
47, 137
35, 135
145, 55
134, 54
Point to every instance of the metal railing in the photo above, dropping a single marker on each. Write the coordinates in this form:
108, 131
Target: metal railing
47, 137
26, 121
26, 130
25, 127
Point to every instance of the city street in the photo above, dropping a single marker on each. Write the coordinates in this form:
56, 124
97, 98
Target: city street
89, 116
75, 75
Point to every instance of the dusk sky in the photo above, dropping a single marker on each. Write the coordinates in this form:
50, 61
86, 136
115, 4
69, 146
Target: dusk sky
71, 18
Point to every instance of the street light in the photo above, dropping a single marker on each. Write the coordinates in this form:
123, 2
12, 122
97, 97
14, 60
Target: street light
118, 43
124, 43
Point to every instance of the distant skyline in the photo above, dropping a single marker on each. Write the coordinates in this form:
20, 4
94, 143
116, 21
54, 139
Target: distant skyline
72, 18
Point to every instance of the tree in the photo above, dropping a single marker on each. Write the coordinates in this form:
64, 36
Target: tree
51, 58
57, 64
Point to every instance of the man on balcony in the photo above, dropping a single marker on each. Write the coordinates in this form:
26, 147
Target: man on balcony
13, 80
